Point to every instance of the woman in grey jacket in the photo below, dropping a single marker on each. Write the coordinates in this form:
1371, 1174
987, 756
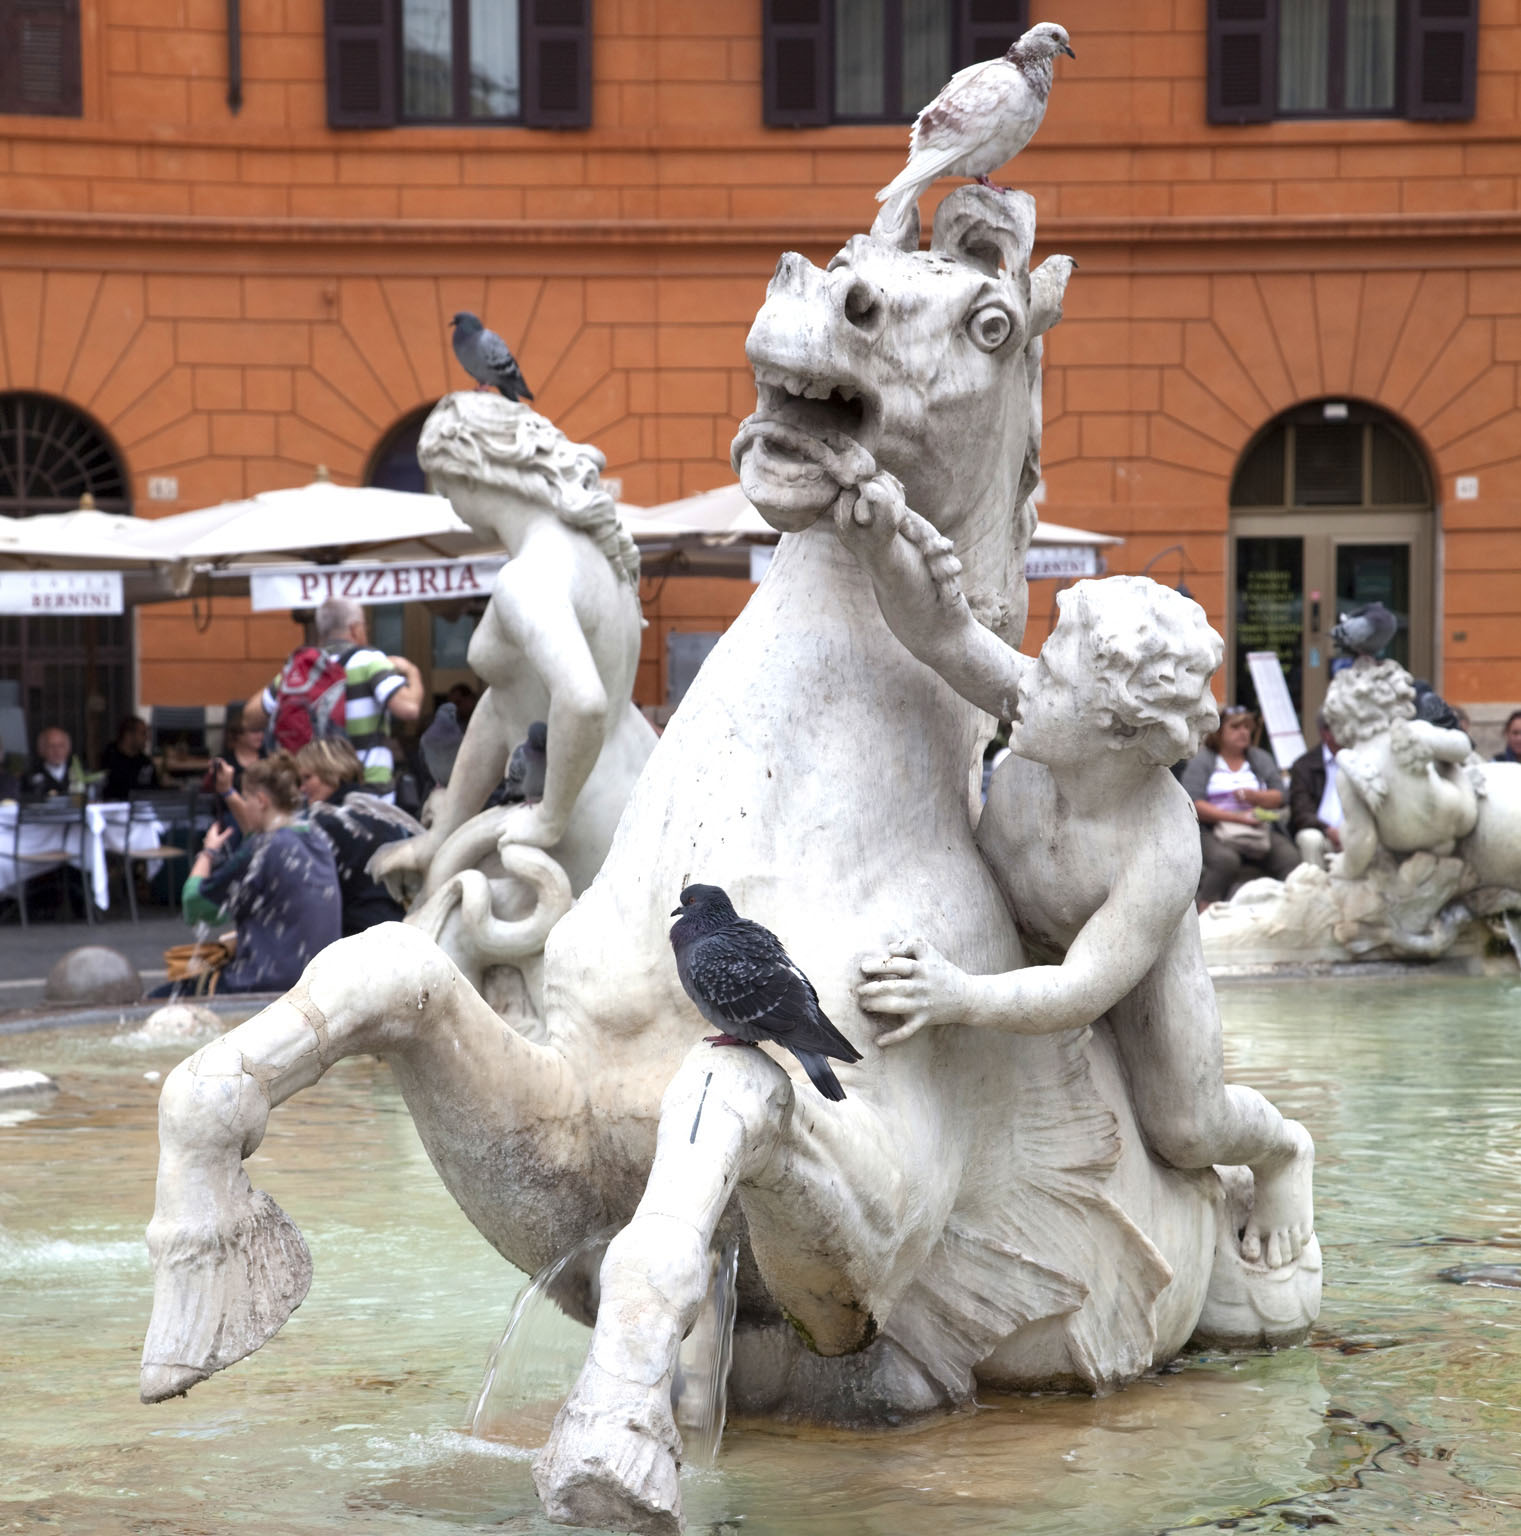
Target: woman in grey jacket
1229, 781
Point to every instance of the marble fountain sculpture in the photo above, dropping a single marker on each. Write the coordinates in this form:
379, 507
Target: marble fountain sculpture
983, 1209
1431, 845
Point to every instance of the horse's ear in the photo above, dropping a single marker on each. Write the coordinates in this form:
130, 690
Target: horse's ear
988, 228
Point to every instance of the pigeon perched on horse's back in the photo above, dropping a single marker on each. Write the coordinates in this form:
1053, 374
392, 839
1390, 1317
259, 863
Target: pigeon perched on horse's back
487, 358
982, 118
1366, 632
747, 986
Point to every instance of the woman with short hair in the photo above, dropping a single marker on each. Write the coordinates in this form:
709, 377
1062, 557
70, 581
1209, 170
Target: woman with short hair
280, 886
1230, 780
356, 824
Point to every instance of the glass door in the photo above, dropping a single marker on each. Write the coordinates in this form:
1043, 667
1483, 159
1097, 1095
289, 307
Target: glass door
1294, 574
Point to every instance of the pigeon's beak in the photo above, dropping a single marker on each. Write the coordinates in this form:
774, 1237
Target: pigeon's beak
675, 911
1067, 49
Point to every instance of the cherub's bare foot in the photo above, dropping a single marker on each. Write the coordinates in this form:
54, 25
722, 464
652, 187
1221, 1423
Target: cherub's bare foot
1282, 1218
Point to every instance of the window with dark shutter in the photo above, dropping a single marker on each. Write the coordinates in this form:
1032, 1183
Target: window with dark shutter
796, 37
1441, 57
361, 63
985, 28
1242, 60
557, 48
39, 58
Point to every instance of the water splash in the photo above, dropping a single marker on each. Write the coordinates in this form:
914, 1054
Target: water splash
542, 1349
1512, 920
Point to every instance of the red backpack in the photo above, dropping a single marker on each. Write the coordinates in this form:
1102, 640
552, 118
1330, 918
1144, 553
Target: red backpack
310, 700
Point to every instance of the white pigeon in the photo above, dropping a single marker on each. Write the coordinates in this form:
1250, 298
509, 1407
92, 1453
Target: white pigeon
983, 117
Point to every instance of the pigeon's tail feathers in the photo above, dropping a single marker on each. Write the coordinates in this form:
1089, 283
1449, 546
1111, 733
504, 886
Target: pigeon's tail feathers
820, 1075
838, 1046
896, 208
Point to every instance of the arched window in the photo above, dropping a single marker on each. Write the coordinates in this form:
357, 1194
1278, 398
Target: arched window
52, 454
394, 464
68, 671
1331, 509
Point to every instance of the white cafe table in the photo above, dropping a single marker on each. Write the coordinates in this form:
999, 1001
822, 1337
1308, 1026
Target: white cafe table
105, 830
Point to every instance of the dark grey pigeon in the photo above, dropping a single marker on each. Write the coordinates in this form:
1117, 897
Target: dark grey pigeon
1431, 707
525, 768
745, 984
486, 357
1365, 633
440, 742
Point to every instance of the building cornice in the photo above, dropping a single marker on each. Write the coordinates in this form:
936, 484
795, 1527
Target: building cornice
159, 229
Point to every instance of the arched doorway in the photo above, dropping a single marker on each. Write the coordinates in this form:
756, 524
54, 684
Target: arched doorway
434, 635
1331, 509
68, 671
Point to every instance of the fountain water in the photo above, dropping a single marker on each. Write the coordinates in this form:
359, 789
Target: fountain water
544, 1345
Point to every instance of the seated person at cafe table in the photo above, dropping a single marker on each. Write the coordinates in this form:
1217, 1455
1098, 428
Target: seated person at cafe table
280, 887
356, 824
55, 770
126, 763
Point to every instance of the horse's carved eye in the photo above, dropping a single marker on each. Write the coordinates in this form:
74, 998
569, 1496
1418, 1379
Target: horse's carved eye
989, 327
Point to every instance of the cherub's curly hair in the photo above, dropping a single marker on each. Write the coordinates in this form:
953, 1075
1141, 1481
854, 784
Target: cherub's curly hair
1366, 698
1153, 654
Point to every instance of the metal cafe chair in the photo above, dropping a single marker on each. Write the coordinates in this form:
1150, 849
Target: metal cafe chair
147, 808
50, 822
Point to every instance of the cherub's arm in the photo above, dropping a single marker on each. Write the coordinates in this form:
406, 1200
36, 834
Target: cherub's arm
1446, 746
1359, 832
1115, 948
914, 572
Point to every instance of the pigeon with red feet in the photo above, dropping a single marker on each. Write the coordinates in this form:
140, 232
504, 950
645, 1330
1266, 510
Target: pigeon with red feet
983, 117
747, 986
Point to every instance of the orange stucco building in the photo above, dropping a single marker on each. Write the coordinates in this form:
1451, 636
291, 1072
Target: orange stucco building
233, 297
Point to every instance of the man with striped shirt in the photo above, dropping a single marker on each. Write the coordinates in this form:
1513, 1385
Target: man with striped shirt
378, 685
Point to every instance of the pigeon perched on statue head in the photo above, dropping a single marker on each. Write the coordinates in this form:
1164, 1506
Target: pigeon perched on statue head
526, 766
983, 117
1366, 632
486, 357
746, 985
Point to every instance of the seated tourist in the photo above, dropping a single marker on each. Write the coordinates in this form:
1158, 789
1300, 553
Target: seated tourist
356, 824
1511, 751
1315, 814
126, 763
1230, 780
280, 887
54, 766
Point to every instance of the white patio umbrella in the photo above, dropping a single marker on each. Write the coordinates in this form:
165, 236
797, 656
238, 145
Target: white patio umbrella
724, 516
322, 518
81, 540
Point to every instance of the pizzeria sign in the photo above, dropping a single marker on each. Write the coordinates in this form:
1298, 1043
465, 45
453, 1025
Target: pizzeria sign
304, 586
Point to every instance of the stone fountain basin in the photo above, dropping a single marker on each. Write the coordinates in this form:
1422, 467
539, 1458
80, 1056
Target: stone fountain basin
356, 1410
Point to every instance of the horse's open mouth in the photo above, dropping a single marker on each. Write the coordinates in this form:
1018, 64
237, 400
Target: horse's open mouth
819, 407
808, 438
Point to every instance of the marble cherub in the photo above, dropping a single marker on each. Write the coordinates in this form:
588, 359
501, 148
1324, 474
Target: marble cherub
1097, 850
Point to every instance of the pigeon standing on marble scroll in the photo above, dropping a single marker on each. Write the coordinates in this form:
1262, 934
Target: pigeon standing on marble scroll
985, 115
747, 986
1366, 632
487, 358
